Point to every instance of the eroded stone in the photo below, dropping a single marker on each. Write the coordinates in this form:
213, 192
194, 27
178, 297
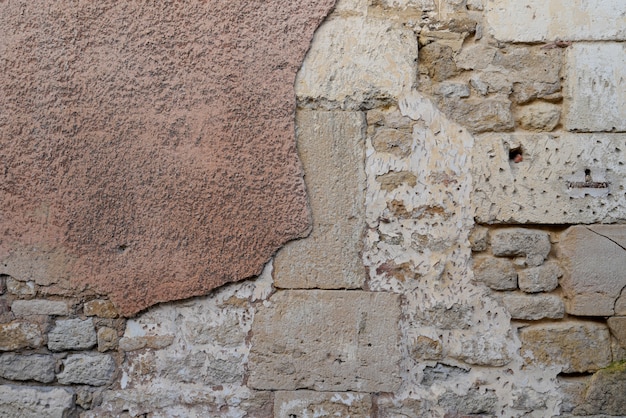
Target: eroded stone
101, 308
617, 325
72, 334
544, 278
35, 402
534, 307
18, 334
92, 369
305, 403
540, 116
521, 242
37, 367
498, 274
22, 308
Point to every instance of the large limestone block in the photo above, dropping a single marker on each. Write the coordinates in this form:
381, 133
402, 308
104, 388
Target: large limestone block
331, 147
595, 93
575, 347
305, 403
594, 259
542, 20
357, 60
562, 178
35, 402
326, 340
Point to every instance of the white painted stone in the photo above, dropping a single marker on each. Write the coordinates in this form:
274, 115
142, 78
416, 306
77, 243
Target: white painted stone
549, 185
22, 308
595, 91
35, 402
546, 20
356, 60
306, 403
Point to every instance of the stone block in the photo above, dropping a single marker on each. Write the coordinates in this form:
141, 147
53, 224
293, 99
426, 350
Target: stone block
35, 402
22, 308
595, 95
561, 178
357, 61
331, 147
37, 367
205, 368
304, 403
572, 391
441, 373
474, 402
327, 341
539, 116
497, 273
393, 141
72, 334
594, 260
546, 20
532, 244
533, 307
480, 115
22, 289
528, 399
574, 346
617, 325
101, 308
479, 239
107, 339
605, 392
437, 59
18, 334
544, 278
94, 369
424, 348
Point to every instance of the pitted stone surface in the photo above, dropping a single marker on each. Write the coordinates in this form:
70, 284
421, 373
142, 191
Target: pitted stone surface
72, 334
326, 340
93, 369
17, 335
533, 307
151, 159
305, 403
543, 278
37, 367
533, 245
35, 402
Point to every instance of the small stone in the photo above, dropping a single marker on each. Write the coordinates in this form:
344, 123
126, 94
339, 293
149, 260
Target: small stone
107, 339
575, 346
393, 141
32, 367
21, 289
441, 372
389, 117
92, 369
101, 308
479, 239
21, 308
498, 274
480, 115
534, 307
425, 348
491, 82
473, 402
16, 335
605, 393
72, 334
304, 403
617, 325
475, 57
437, 59
35, 402
3, 283
458, 90
483, 350
540, 116
395, 179
544, 278
532, 244
528, 399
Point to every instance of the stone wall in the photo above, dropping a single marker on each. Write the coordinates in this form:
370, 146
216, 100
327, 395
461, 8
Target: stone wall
463, 162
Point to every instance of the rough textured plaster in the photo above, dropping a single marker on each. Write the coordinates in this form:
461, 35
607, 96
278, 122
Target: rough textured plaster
146, 150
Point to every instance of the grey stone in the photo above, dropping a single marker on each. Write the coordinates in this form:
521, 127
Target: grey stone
92, 369
305, 403
532, 244
528, 399
457, 316
22, 308
475, 57
18, 334
441, 372
204, 368
594, 261
479, 239
457, 90
37, 367
72, 334
534, 307
35, 402
474, 402
572, 391
605, 393
498, 274
544, 278
327, 341
617, 325
480, 115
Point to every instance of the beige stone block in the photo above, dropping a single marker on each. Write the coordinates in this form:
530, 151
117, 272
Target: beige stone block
498, 274
533, 307
574, 346
544, 278
533, 245
22, 308
617, 325
327, 341
480, 115
594, 261
561, 178
17, 335
540, 116
107, 339
358, 60
304, 403
331, 147
101, 308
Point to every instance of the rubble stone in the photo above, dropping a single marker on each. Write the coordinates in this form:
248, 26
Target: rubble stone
21, 289
480, 115
37, 367
605, 393
18, 334
35, 402
544, 278
498, 274
107, 339
72, 334
21, 308
92, 369
532, 244
540, 116
534, 307
617, 325
100, 308
474, 402
305, 403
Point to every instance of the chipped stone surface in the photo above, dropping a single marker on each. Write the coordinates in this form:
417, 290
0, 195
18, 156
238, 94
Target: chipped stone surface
480, 115
549, 186
176, 171
605, 392
548, 20
17, 335
35, 402
326, 340
331, 147
497, 273
594, 263
539, 116
534, 307
101, 308
93, 369
22, 289
544, 278
595, 92
72, 334
533, 245
573, 346
107, 339
22, 308
474, 402
37, 367
349, 72
304, 403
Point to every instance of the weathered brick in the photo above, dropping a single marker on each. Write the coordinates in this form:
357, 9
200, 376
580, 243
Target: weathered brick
101, 308
574, 346
532, 244
594, 261
22, 308
37, 367
72, 334
18, 334
498, 274
544, 278
533, 307
35, 402
93, 369
304, 403
326, 340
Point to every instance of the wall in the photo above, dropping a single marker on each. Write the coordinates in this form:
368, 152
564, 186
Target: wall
463, 162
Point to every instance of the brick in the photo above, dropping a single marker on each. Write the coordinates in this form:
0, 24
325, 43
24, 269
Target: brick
304, 403
30, 367
92, 369
545, 20
574, 346
18, 334
534, 307
72, 334
340, 67
529, 192
594, 261
101, 308
22, 308
544, 278
327, 341
594, 102
35, 402
521, 242
498, 274
331, 147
